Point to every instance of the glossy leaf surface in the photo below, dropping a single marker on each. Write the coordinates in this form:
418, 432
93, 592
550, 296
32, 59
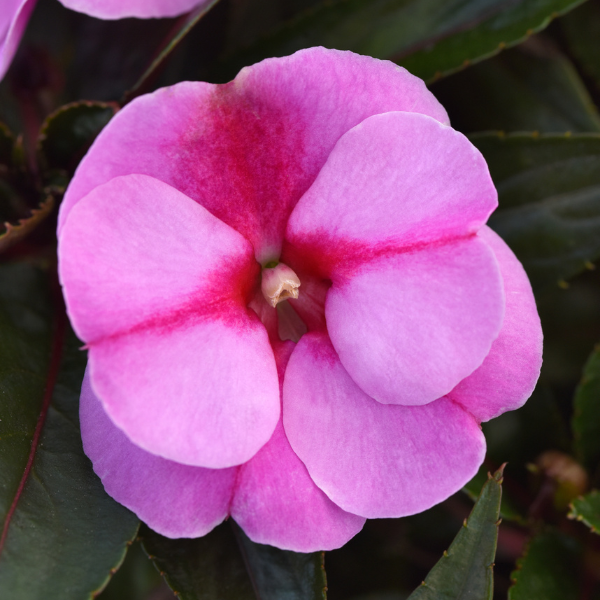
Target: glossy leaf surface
62, 535
549, 194
225, 564
531, 87
430, 38
587, 510
465, 571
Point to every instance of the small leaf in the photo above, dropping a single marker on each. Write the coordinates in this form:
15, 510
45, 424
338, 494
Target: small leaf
226, 565
465, 571
532, 86
586, 418
67, 134
430, 38
587, 509
16, 232
548, 570
60, 530
549, 194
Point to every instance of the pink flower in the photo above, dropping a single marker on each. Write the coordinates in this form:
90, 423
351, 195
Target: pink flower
14, 15
420, 322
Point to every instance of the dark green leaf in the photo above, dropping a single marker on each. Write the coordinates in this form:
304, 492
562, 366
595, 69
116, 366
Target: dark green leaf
429, 37
68, 133
548, 570
62, 535
465, 571
549, 192
586, 418
13, 232
582, 32
531, 87
587, 510
225, 564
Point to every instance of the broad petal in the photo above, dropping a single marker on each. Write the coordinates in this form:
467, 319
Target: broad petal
409, 327
510, 371
161, 307
14, 16
137, 251
173, 499
276, 502
371, 459
398, 179
143, 9
248, 150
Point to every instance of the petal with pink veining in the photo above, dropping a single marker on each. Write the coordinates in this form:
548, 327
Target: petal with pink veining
510, 371
143, 9
14, 16
395, 180
276, 502
248, 150
410, 326
371, 459
174, 499
157, 287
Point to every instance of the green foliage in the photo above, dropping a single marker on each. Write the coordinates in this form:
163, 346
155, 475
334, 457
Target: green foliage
586, 419
549, 194
68, 133
62, 535
225, 564
430, 38
531, 87
466, 571
548, 570
587, 510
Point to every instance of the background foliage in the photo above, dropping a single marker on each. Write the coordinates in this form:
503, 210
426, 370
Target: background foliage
522, 79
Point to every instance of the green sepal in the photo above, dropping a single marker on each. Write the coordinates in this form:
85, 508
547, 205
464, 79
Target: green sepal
466, 570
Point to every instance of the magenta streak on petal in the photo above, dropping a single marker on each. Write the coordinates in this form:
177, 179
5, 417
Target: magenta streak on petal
326, 257
212, 303
247, 171
14, 16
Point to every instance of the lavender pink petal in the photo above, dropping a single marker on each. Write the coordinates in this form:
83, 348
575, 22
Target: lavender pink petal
257, 143
143, 9
174, 499
14, 16
157, 288
276, 502
395, 181
409, 327
371, 459
510, 371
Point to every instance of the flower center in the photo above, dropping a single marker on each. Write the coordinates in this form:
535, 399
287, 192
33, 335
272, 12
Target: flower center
279, 283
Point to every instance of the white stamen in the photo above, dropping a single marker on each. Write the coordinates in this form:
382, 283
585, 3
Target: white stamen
279, 284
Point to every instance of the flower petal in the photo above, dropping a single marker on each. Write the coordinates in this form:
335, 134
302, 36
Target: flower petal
510, 371
143, 9
370, 459
395, 180
161, 305
13, 20
409, 327
173, 499
276, 502
257, 143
